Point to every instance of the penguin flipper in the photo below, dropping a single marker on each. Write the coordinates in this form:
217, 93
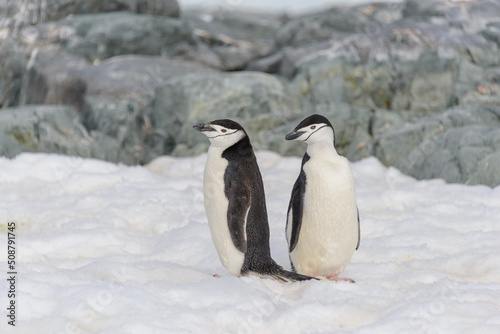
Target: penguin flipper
359, 231
296, 208
239, 196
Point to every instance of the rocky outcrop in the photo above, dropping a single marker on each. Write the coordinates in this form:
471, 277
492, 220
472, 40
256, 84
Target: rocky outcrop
32, 12
229, 41
104, 35
260, 101
53, 129
13, 69
415, 83
54, 78
455, 145
132, 75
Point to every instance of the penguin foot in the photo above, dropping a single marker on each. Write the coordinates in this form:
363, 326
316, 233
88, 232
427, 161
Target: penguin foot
216, 276
336, 278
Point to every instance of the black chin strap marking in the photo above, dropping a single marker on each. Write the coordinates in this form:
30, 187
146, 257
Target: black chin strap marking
224, 134
315, 131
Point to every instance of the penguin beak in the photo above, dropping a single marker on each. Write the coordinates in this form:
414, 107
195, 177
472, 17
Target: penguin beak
294, 135
202, 127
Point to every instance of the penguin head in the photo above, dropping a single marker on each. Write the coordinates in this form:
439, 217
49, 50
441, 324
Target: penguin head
222, 132
313, 129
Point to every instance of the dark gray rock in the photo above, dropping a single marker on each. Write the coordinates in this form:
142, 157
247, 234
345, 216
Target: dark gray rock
450, 145
462, 155
425, 8
338, 22
487, 169
270, 64
354, 33
13, 69
429, 84
129, 76
471, 16
492, 32
258, 101
294, 60
52, 129
156, 7
58, 129
435, 80
32, 12
101, 36
118, 103
321, 83
54, 78
230, 40
120, 124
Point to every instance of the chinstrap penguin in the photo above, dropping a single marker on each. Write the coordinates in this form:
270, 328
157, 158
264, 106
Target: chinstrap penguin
235, 203
322, 227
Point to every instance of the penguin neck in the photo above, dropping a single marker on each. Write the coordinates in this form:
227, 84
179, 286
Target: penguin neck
242, 148
322, 149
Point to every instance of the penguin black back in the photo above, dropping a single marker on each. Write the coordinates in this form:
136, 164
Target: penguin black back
243, 178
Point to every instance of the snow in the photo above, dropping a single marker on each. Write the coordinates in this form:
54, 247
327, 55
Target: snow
106, 248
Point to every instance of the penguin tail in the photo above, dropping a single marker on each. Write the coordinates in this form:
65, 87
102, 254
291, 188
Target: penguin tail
288, 276
273, 270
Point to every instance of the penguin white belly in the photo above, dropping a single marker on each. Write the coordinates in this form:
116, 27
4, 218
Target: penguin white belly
329, 230
216, 205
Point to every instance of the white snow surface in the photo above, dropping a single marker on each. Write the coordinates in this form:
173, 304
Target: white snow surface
106, 248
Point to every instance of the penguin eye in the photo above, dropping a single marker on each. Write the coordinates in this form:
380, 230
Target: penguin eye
223, 130
313, 127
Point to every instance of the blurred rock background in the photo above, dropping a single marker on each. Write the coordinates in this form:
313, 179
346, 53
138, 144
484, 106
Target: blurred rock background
414, 83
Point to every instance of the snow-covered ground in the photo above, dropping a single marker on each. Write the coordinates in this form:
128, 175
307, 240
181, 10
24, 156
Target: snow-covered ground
105, 248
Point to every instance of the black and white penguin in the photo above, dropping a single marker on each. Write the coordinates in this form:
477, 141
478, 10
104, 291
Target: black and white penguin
322, 227
235, 203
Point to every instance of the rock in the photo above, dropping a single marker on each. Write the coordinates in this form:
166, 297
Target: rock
370, 85
450, 145
414, 83
487, 169
492, 32
463, 155
52, 129
118, 103
32, 12
321, 83
101, 36
338, 22
155, 7
128, 76
230, 40
54, 78
429, 84
58, 129
467, 78
270, 64
434, 81
294, 61
424, 8
13, 69
258, 101
470, 16
119, 124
